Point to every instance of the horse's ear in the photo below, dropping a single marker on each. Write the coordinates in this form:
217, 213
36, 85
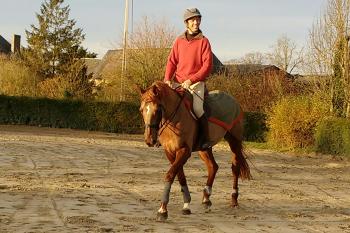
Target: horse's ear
155, 90
139, 89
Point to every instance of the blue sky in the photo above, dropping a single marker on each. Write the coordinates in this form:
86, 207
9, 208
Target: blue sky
234, 27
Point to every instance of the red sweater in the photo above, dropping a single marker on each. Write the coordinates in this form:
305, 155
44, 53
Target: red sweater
189, 59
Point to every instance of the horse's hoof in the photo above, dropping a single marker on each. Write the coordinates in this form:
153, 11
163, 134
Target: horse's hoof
234, 205
162, 216
186, 211
207, 204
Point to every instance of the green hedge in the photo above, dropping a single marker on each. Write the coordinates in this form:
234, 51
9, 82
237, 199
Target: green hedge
292, 121
332, 136
255, 128
119, 117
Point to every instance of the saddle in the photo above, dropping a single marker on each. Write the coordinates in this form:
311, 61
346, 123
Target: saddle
220, 108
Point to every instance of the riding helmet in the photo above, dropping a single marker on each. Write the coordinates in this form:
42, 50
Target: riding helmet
190, 13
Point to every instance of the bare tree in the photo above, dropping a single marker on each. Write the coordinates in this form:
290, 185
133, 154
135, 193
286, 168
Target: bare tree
329, 52
147, 51
250, 58
253, 58
286, 54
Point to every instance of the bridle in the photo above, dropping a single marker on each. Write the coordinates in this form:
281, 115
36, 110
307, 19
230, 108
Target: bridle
172, 115
157, 123
160, 125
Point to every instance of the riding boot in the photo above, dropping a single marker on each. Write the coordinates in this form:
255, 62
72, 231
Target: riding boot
204, 142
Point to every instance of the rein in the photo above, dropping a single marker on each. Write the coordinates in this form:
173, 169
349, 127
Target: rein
172, 115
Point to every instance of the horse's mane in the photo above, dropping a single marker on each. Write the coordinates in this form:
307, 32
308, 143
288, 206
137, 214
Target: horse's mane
157, 90
162, 86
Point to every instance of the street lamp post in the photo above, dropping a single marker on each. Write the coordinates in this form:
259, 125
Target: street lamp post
125, 35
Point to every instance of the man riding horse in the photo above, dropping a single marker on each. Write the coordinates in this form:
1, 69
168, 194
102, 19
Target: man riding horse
189, 64
168, 121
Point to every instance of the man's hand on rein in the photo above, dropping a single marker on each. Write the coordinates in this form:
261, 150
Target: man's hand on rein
186, 84
168, 82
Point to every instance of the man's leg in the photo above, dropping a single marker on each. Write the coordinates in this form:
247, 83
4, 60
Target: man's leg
197, 91
204, 142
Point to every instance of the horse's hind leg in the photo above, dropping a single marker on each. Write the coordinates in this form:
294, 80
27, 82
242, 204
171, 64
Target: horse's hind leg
239, 165
185, 192
212, 167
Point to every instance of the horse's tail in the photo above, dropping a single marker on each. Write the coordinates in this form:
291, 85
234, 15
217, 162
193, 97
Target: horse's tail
245, 169
237, 148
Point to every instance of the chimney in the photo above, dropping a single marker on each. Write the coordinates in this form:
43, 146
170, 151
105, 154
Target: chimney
16, 44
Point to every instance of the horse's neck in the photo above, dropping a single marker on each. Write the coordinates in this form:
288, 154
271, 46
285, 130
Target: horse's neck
174, 106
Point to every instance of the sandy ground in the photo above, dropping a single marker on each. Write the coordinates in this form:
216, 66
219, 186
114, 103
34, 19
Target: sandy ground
55, 180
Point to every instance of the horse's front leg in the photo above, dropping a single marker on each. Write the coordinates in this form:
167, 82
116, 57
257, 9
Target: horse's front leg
177, 161
212, 167
185, 192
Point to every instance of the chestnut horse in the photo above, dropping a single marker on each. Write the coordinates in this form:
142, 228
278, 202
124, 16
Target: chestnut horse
169, 122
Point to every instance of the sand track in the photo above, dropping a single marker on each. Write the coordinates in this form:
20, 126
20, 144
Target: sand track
59, 180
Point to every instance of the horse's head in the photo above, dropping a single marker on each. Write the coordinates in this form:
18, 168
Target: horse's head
151, 111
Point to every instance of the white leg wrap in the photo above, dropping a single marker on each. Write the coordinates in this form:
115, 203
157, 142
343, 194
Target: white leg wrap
161, 210
186, 206
234, 191
186, 194
207, 189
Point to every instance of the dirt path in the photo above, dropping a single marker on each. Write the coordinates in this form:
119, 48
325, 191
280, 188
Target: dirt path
76, 181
